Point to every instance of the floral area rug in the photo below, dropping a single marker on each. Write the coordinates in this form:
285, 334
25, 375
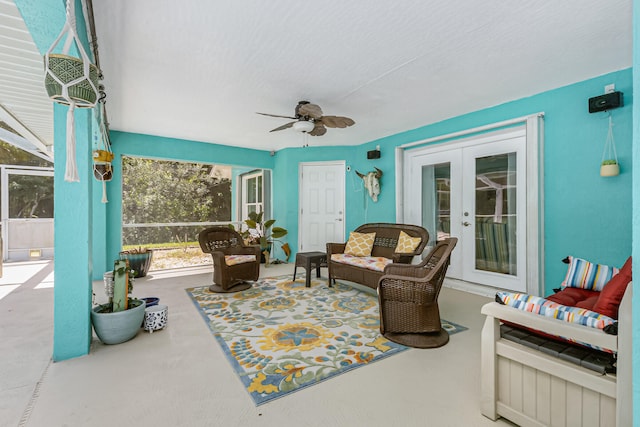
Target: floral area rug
281, 336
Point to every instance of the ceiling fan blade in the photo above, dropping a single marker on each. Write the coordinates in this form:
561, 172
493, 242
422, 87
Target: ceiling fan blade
287, 126
309, 110
318, 129
337, 121
277, 115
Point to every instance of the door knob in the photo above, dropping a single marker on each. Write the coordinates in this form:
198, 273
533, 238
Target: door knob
339, 219
466, 224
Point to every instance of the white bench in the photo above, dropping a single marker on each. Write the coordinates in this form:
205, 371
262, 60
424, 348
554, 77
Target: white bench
531, 388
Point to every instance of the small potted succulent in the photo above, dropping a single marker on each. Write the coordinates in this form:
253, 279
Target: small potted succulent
609, 167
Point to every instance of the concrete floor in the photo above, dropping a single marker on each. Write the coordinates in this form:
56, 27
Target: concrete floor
179, 376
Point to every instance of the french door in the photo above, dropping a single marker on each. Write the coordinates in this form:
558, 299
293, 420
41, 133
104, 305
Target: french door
476, 191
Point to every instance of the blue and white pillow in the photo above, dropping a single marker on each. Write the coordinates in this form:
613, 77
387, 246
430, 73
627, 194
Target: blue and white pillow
587, 275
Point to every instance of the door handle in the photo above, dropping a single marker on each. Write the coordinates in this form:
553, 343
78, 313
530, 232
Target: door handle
466, 224
339, 219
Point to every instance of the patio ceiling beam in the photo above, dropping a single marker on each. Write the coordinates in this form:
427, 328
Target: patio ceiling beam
7, 117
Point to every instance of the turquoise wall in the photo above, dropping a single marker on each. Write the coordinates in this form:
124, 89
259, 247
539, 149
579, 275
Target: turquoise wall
636, 211
585, 215
157, 147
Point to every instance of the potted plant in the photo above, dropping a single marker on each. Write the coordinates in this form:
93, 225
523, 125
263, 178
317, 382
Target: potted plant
609, 167
139, 260
263, 233
120, 319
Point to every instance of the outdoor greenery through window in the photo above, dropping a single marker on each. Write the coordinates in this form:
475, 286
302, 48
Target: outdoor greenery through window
30, 196
165, 204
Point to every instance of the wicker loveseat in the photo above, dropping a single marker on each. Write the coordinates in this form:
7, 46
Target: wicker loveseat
384, 246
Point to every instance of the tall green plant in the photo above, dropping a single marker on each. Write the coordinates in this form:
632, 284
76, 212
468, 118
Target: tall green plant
120, 285
261, 232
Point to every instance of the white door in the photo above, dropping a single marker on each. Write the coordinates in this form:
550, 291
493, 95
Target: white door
321, 199
475, 191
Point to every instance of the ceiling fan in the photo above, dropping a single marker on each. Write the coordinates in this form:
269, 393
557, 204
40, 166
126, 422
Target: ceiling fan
308, 118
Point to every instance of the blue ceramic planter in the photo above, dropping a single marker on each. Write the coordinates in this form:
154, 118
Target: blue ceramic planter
116, 328
138, 262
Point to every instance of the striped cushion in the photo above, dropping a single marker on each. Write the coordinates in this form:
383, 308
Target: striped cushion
238, 259
368, 262
548, 308
587, 275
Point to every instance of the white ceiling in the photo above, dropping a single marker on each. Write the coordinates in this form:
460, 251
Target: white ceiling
201, 69
24, 104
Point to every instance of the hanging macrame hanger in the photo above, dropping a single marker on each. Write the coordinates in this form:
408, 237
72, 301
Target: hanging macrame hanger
610, 145
102, 168
69, 29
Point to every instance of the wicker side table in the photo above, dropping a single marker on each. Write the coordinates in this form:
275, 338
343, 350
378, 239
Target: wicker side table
309, 260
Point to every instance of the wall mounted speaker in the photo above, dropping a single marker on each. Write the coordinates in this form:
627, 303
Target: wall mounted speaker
608, 101
373, 154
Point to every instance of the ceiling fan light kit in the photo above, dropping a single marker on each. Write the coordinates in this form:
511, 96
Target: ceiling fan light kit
303, 126
309, 119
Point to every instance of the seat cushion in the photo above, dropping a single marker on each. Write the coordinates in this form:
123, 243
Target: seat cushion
238, 259
548, 308
573, 296
368, 262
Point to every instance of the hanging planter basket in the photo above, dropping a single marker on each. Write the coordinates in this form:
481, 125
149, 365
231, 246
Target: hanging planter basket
611, 169
609, 165
64, 69
71, 81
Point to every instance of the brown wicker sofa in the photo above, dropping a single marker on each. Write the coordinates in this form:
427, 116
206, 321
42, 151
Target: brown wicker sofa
384, 246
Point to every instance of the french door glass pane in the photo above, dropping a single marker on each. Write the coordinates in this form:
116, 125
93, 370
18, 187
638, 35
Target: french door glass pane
495, 214
436, 201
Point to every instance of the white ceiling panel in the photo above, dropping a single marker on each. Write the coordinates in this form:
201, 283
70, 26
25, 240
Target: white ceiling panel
201, 69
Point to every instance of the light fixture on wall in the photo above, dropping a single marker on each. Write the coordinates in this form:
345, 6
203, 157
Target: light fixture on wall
303, 126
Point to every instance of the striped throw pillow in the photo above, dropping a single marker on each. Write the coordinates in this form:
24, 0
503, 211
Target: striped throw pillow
587, 275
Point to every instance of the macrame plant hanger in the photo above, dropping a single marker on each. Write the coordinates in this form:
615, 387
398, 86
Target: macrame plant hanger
70, 81
609, 165
102, 157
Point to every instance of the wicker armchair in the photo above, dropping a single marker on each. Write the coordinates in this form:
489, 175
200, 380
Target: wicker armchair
222, 242
408, 298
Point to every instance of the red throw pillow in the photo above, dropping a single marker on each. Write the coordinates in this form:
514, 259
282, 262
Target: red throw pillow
611, 295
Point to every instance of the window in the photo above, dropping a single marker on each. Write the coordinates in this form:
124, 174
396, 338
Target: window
255, 193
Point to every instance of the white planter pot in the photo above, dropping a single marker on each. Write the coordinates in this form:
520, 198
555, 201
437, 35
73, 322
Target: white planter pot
610, 170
